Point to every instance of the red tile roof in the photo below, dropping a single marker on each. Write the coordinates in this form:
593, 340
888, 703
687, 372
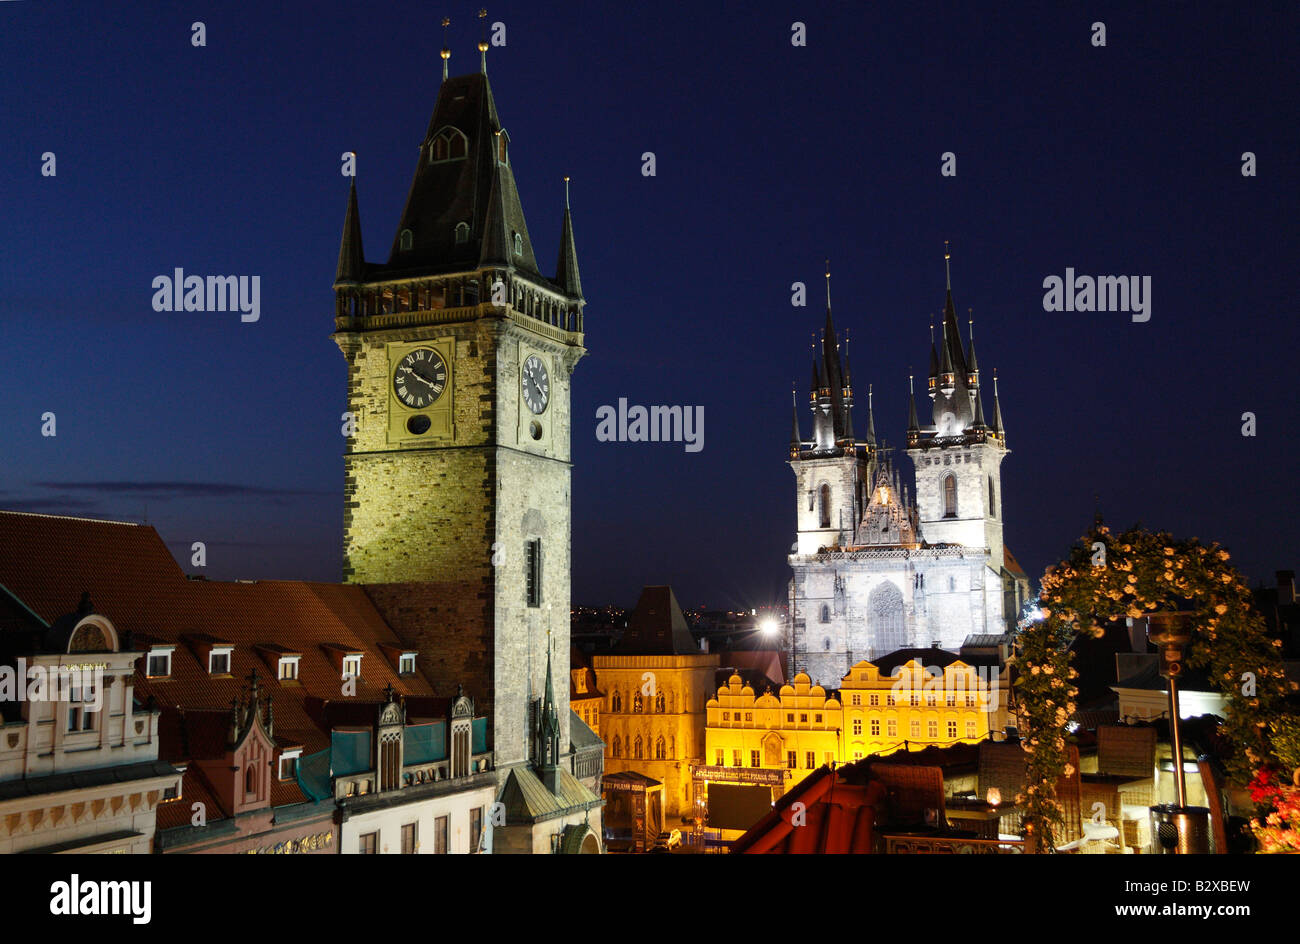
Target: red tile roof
840, 809
47, 562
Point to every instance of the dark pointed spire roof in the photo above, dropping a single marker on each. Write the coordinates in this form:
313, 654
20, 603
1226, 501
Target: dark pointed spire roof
550, 717
496, 246
945, 357
444, 193
566, 269
934, 355
352, 259
971, 363
997, 406
871, 417
795, 439
979, 410
952, 346
657, 626
912, 423
816, 377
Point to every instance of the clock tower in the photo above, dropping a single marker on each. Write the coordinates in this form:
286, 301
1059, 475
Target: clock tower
457, 490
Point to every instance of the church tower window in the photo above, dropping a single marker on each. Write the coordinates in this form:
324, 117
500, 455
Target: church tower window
618, 746
616, 703
993, 501
660, 749
448, 145
462, 233
636, 748
405, 240
824, 505
826, 613
949, 496
519, 244
533, 571
885, 619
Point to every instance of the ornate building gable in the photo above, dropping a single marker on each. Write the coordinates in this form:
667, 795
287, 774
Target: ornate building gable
888, 519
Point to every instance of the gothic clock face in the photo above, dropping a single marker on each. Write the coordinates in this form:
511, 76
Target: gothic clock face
420, 378
537, 384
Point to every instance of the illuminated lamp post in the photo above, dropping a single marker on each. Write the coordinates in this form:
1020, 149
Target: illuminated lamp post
1177, 829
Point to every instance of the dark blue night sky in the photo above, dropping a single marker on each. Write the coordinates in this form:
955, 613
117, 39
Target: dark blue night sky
770, 158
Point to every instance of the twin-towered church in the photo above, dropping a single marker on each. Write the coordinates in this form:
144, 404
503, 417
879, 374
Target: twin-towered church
876, 568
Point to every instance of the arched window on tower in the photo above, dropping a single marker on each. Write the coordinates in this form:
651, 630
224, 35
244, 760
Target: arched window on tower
618, 747
405, 240
616, 704
993, 500
885, 619
950, 496
462, 233
826, 613
824, 505
519, 245
636, 748
448, 145
660, 749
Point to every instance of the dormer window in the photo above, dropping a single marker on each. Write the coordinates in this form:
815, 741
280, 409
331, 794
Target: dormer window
519, 245
503, 146
288, 668
351, 665
448, 145
406, 664
289, 764
160, 661
462, 233
405, 240
219, 661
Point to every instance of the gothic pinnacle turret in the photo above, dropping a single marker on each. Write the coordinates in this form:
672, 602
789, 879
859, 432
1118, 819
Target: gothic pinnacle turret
352, 260
912, 423
566, 269
997, 409
795, 439
871, 416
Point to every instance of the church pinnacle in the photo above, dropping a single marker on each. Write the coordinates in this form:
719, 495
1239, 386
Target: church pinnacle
352, 260
566, 269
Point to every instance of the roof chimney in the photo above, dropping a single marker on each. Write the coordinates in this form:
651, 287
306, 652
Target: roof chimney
1285, 587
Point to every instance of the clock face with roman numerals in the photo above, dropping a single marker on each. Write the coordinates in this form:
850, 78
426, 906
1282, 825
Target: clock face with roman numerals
420, 378
537, 384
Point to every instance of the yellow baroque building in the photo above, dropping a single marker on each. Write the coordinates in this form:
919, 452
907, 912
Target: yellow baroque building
655, 683
910, 699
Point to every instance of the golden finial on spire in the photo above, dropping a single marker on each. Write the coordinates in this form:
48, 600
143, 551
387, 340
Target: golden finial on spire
946, 271
566, 191
970, 322
483, 43
446, 50
828, 284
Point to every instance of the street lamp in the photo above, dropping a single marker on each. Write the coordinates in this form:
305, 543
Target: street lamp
1176, 828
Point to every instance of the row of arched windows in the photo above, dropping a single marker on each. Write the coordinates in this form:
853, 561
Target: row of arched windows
450, 144
638, 748
659, 703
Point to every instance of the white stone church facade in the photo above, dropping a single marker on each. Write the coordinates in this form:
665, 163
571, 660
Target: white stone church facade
876, 569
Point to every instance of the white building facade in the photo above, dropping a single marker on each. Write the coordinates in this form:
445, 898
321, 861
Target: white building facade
877, 568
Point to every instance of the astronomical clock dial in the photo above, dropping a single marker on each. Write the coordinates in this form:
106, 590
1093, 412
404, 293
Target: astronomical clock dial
420, 378
536, 383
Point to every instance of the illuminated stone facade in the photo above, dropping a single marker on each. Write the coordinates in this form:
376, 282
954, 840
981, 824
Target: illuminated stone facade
911, 700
